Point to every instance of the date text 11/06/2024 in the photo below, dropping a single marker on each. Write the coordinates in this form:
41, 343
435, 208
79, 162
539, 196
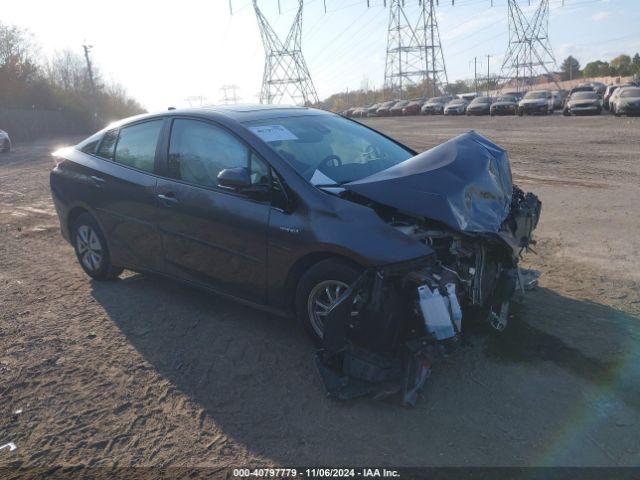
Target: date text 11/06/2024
316, 472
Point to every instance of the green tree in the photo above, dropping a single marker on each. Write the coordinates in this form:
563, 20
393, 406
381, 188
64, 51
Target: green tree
570, 68
635, 64
596, 69
621, 65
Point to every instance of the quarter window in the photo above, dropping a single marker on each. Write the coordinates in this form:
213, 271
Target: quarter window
137, 144
198, 151
108, 144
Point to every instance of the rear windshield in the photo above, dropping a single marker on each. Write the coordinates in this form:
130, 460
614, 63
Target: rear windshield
584, 96
536, 95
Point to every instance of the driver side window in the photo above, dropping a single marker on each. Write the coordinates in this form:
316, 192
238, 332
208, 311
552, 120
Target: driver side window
199, 151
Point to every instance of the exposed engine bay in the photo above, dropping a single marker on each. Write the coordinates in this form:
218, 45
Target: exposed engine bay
383, 334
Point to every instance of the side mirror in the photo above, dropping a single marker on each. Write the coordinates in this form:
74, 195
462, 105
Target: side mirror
234, 178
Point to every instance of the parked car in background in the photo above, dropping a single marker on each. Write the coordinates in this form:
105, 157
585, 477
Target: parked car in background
457, 106
613, 93
469, 96
517, 95
536, 102
480, 106
383, 109
598, 87
371, 111
435, 105
559, 98
361, 112
583, 87
504, 105
583, 103
413, 108
607, 95
397, 107
5, 142
348, 112
627, 102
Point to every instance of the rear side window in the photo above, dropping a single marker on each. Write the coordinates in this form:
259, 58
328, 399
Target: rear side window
198, 151
136, 146
108, 144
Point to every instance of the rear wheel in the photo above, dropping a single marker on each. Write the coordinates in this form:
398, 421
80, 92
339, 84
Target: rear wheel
91, 249
318, 290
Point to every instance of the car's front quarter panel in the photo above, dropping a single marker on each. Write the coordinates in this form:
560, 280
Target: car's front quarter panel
336, 227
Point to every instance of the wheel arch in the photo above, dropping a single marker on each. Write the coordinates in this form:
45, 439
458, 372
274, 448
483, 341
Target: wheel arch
305, 263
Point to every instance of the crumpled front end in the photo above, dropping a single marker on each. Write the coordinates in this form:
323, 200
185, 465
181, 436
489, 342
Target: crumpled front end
384, 333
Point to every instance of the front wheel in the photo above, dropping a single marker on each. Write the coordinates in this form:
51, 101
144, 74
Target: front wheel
318, 290
91, 249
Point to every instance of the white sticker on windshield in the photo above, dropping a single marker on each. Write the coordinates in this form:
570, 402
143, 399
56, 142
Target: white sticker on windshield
273, 133
320, 178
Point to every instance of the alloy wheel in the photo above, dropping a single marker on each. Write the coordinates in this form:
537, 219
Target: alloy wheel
89, 248
321, 299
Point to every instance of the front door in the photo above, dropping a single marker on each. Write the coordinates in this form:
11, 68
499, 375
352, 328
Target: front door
210, 235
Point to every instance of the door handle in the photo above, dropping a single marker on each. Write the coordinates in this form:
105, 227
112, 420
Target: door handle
98, 181
168, 199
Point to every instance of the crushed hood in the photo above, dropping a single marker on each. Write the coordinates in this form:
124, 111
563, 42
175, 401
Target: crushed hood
465, 183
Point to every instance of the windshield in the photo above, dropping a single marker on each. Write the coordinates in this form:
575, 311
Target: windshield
584, 96
457, 102
534, 95
630, 92
482, 100
327, 149
438, 99
506, 99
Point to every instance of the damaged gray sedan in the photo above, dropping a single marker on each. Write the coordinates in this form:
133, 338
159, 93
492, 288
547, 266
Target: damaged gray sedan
383, 254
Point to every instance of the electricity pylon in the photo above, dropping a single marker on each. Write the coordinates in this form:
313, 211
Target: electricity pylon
529, 53
414, 51
233, 98
286, 76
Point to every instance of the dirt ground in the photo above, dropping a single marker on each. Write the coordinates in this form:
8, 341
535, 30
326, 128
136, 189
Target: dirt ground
144, 371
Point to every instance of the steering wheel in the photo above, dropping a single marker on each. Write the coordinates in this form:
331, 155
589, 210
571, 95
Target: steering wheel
337, 162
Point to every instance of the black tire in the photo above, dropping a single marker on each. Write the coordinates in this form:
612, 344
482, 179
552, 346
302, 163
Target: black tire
332, 269
566, 113
84, 227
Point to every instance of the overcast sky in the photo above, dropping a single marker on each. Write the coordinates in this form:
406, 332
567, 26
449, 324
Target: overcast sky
166, 51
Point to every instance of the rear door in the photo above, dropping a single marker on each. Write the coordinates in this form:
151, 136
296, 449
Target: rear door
211, 235
125, 199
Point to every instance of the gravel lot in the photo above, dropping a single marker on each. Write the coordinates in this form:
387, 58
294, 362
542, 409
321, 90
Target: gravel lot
144, 371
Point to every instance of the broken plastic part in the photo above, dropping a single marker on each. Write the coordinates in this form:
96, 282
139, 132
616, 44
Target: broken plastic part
435, 311
454, 306
11, 446
499, 320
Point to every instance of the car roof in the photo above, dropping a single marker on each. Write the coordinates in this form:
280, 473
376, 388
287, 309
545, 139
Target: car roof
239, 113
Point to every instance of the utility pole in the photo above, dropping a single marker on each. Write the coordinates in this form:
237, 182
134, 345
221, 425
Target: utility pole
475, 74
92, 84
488, 74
